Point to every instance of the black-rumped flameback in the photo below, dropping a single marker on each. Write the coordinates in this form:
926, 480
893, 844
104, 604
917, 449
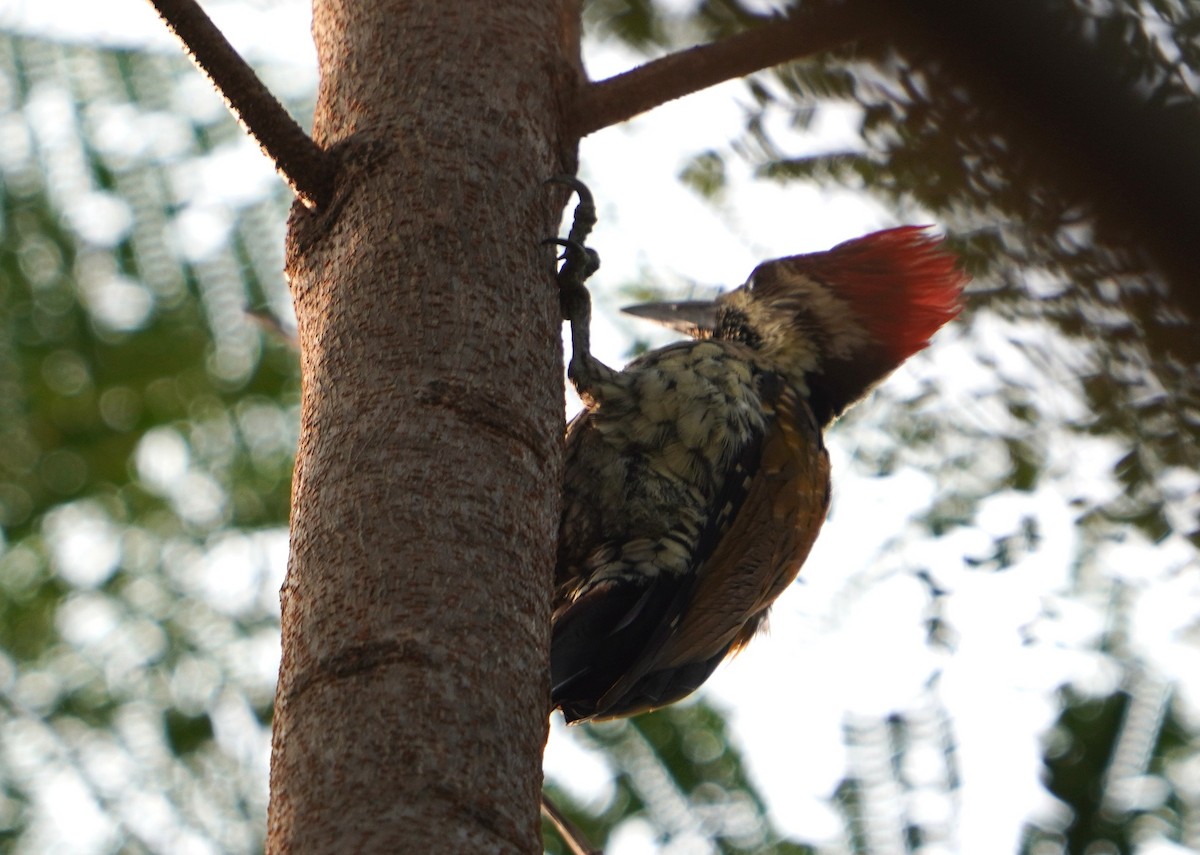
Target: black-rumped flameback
696, 478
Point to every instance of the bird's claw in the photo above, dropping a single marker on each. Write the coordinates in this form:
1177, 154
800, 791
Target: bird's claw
579, 260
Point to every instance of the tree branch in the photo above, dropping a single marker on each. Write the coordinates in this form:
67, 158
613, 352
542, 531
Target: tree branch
781, 40
303, 164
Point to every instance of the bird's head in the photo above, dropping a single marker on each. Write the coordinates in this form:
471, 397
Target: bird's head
837, 322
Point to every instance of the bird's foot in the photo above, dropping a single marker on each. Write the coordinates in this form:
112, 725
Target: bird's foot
579, 260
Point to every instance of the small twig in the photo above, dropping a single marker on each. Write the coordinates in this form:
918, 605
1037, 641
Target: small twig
567, 830
608, 102
302, 163
271, 323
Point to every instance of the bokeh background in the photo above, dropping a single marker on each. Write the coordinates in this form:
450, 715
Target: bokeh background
995, 646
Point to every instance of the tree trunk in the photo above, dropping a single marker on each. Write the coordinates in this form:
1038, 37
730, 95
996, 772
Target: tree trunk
412, 702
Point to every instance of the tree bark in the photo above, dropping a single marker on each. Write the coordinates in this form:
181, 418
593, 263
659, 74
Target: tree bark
412, 701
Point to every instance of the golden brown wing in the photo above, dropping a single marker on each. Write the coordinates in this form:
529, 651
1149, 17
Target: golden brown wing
768, 542
756, 558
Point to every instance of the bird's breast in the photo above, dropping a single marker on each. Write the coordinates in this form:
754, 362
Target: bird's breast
696, 402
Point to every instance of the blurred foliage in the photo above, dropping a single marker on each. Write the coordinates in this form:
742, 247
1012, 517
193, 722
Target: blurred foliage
678, 764
147, 425
147, 428
1056, 143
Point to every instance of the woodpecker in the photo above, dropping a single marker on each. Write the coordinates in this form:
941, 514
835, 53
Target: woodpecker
696, 479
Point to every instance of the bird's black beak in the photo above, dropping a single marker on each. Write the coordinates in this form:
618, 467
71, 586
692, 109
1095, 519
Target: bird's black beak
697, 318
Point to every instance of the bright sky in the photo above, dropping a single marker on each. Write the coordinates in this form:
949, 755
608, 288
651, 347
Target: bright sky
847, 647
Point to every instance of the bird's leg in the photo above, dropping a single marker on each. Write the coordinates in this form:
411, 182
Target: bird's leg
579, 263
